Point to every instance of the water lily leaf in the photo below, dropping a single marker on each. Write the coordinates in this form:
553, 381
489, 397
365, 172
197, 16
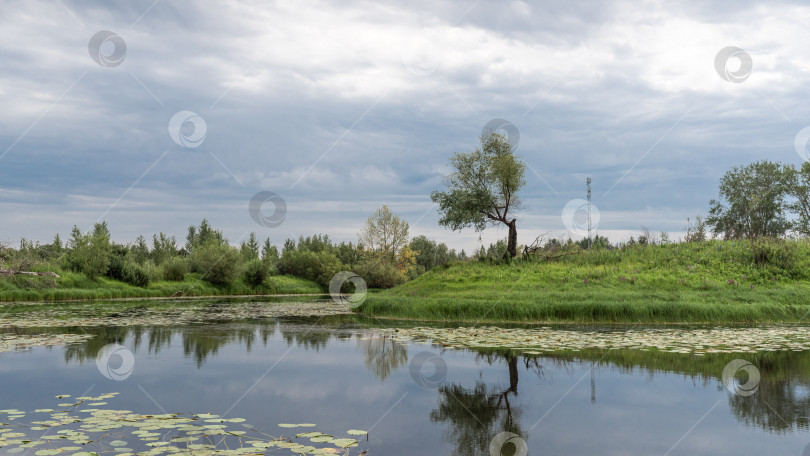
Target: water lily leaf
344, 443
322, 439
118, 443
356, 432
47, 452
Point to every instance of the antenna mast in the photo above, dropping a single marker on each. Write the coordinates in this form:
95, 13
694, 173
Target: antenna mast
588, 181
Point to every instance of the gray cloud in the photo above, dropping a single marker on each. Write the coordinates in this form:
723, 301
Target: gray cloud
341, 108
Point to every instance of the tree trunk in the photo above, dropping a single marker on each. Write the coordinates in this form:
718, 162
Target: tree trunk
511, 246
513, 373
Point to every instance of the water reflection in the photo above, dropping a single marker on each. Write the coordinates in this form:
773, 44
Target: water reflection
476, 414
382, 355
471, 410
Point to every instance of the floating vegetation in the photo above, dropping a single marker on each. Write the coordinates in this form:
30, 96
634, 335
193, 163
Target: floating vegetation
94, 314
78, 431
12, 342
689, 341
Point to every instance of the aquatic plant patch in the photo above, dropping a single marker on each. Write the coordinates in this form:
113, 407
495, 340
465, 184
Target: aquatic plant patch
543, 340
78, 427
13, 342
185, 313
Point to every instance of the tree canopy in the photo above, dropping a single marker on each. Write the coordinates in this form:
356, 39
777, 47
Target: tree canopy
483, 188
753, 201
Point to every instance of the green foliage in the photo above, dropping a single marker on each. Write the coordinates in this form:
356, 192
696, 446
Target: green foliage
250, 248
777, 253
349, 254
483, 188
753, 201
139, 250
175, 269
800, 191
319, 267
255, 273
89, 253
315, 243
136, 275
384, 233
203, 235
429, 254
163, 248
216, 263
379, 272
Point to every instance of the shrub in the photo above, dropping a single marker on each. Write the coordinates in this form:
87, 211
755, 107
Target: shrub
126, 270
379, 273
136, 275
316, 266
773, 252
215, 263
255, 272
175, 269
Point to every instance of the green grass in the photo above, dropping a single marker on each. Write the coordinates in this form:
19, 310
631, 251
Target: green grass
713, 281
73, 285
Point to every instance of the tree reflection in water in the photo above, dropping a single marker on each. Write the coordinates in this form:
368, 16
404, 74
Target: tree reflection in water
476, 413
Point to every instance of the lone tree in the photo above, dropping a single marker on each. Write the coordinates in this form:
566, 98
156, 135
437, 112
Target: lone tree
385, 232
752, 201
483, 188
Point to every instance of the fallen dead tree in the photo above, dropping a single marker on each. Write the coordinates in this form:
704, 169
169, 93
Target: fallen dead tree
11, 272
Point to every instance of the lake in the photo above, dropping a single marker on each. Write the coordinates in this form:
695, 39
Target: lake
341, 373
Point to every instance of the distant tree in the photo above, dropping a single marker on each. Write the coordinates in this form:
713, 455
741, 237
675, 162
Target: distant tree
289, 246
202, 235
89, 253
250, 249
483, 188
752, 201
384, 233
598, 242
269, 252
800, 191
57, 244
140, 251
696, 232
349, 254
429, 254
315, 243
163, 248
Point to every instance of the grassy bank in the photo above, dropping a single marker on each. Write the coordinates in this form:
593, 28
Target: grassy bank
712, 281
73, 285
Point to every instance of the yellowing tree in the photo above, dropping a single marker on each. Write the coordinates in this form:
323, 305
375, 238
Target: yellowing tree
384, 233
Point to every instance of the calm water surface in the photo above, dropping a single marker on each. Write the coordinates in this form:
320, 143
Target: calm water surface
342, 375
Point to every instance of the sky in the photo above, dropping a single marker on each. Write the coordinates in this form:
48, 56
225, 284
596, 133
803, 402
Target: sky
152, 115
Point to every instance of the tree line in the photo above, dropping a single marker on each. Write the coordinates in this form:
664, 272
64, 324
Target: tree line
762, 199
384, 255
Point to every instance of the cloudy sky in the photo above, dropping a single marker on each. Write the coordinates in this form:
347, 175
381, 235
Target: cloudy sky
340, 107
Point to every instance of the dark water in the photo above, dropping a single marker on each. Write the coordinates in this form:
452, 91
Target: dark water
290, 371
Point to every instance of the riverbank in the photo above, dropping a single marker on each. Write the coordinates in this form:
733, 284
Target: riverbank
706, 282
75, 286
